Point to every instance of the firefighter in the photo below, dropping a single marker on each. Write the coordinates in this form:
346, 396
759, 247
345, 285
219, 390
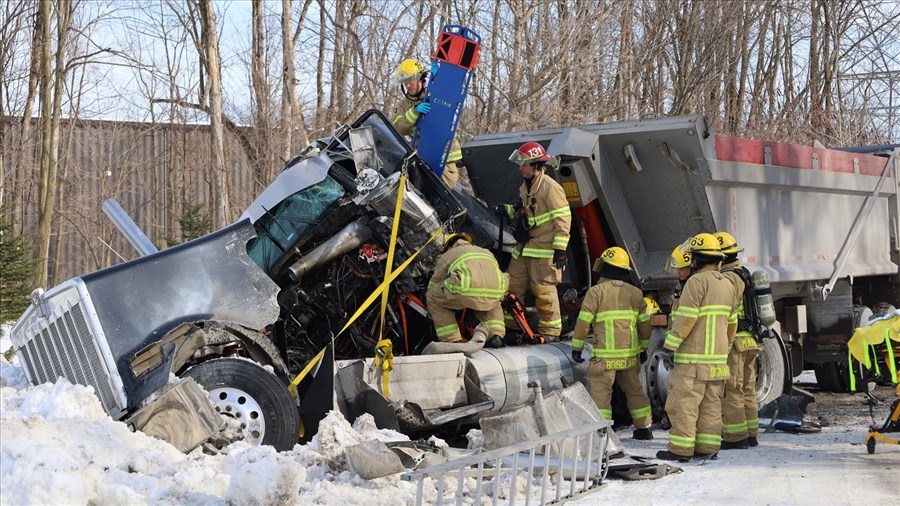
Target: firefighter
542, 219
740, 422
620, 319
411, 76
466, 277
696, 351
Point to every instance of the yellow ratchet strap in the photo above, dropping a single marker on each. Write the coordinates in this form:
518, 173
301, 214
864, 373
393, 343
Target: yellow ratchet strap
382, 288
384, 356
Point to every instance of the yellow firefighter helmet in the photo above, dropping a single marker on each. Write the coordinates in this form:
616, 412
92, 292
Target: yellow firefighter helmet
652, 306
452, 239
727, 243
705, 244
409, 70
616, 257
680, 257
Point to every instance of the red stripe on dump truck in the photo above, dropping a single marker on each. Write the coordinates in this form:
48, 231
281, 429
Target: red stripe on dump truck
737, 149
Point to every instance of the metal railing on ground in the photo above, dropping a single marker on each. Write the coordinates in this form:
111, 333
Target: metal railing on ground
584, 474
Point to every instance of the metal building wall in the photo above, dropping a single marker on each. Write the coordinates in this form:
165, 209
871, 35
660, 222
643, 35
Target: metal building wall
151, 169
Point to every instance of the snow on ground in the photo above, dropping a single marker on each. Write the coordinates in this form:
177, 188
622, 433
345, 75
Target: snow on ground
57, 446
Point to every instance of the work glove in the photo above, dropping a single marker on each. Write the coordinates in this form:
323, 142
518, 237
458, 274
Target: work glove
423, 108
576, 356
503, 210
667, 357
434, 69
559, 259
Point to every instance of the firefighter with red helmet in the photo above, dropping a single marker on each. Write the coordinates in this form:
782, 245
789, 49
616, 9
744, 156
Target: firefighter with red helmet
466, 276
619, 316
696, 350
740, 421
542, 219
412, 76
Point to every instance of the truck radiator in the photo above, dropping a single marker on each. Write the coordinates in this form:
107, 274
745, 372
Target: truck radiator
64, 347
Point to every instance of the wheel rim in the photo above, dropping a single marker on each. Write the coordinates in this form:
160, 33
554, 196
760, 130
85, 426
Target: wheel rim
764, 377
238, 406
658, 380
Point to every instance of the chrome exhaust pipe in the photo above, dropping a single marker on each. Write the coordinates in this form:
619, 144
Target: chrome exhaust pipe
349, 238
128, 227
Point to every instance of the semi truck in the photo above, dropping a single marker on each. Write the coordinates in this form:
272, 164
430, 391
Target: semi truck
257, 330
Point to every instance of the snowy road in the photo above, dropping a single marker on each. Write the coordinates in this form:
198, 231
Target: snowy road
57, 446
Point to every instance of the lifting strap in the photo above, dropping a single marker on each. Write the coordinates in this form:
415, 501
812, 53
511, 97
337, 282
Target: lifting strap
384, 348
382, 288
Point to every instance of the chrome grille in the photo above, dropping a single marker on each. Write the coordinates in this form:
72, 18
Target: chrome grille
65, 348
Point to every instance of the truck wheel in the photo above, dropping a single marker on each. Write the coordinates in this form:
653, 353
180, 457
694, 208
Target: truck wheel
655, 376
251, 399
835, 376
771, 371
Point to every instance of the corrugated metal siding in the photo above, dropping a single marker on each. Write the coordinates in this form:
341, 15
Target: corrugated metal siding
150, 169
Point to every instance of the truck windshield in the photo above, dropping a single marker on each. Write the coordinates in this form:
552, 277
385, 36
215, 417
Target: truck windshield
282, 227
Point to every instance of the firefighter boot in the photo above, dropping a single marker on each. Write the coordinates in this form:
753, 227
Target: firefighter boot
743, 444
667, 455
494, 342
752, 441
642, 434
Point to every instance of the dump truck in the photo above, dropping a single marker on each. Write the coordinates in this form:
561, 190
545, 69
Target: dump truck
257, 330
821, 223
248, 332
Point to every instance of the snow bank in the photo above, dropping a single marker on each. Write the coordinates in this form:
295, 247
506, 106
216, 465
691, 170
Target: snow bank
58, 446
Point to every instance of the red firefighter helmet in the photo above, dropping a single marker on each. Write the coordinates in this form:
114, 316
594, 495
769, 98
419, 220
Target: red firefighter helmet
530, 152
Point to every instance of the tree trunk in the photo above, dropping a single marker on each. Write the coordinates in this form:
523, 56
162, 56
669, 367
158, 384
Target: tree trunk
26, 151
222, 204
289, 91
815, 68
263, 159
48, 173
321, 117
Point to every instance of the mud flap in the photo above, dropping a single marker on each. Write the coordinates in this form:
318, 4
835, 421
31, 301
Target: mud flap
317, 400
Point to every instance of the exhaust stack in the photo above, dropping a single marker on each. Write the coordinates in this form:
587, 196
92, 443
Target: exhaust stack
349, 238
128, 227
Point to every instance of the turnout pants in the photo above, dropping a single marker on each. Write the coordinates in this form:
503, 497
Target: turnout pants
450, 175
694, 407
600, 383
443, 306
739, 410
541, 276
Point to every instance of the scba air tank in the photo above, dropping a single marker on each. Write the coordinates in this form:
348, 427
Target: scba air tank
764, 303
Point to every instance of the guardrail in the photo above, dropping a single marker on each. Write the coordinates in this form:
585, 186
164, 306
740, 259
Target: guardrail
592, 471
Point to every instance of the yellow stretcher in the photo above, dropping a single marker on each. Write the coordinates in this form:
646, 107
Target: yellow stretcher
882, 331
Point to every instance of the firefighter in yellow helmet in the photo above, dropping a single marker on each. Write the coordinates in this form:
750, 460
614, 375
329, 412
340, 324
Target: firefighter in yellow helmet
740, 422
466, 277
696, 351
542, 219
652, 309
620, 319
412, 76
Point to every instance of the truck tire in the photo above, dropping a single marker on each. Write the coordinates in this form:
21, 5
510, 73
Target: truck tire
252, 399
835, 376
771, 371
832, 377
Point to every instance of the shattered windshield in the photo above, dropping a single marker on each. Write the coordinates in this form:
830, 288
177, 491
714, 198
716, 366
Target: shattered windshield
391, 148
281, 228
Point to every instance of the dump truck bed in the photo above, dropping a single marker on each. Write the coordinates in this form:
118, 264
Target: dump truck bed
658, 182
